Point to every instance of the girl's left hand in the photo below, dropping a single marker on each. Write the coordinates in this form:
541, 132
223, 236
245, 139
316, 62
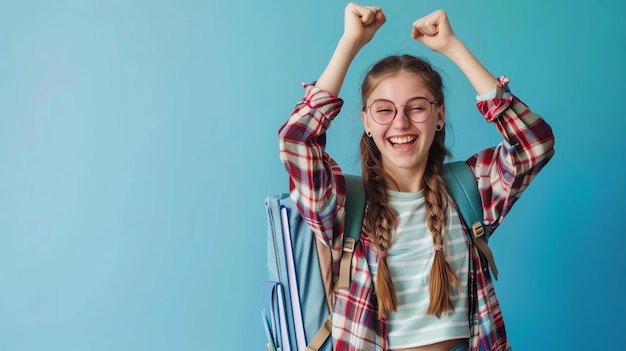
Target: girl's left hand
434, 31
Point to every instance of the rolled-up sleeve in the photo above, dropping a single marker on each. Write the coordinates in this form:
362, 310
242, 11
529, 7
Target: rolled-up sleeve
316, 181
505, 171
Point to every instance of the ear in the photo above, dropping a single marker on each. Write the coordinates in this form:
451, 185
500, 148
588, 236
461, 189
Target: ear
365, 120
441, 115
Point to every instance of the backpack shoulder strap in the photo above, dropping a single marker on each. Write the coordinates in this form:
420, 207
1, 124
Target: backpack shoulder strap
463, 189
355, 206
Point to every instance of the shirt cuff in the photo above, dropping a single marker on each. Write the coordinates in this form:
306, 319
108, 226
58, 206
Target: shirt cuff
500, 91
495, 102
321, 100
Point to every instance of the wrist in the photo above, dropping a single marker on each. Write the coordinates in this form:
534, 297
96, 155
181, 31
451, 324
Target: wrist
455, 50
349, 46
482, 80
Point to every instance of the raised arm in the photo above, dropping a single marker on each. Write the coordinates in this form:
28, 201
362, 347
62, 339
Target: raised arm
316, 181
503, 172
360, 25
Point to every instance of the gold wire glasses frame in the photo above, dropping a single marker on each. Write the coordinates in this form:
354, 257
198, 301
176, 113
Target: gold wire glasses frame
417, 109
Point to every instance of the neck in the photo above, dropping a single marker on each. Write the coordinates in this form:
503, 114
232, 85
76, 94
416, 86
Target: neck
408, 180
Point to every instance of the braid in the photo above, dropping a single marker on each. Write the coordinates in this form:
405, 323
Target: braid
442, 276
382, 220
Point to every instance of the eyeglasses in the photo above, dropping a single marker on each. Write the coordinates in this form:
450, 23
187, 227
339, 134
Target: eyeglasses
417, 109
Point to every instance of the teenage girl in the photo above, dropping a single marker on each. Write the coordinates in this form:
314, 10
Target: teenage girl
418, 280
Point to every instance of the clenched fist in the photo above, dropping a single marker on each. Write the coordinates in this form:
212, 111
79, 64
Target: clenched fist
362, 22
434, 31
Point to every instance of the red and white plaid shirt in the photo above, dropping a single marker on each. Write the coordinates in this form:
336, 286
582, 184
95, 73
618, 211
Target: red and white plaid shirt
317, 185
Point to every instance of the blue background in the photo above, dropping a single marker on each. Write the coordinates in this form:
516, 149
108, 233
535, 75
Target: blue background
138, 142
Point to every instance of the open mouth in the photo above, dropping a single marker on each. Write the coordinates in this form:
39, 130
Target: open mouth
403, 140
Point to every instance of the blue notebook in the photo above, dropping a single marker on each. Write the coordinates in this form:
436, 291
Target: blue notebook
275, 316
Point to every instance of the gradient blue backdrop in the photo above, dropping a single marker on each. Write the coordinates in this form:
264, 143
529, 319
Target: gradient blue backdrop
138, 142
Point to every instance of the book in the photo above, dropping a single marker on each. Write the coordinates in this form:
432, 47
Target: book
294, 294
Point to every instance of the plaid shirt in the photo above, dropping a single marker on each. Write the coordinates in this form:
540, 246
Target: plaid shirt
317, 185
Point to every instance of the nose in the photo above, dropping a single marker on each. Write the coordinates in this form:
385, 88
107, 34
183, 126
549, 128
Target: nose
401, 120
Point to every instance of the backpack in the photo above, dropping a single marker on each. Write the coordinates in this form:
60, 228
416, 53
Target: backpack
298, 297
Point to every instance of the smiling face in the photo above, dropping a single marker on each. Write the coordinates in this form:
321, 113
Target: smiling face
404, 145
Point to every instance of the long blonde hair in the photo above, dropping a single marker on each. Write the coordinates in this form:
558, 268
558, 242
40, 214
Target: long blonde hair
381, 219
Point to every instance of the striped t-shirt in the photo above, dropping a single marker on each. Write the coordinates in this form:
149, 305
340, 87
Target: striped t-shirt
410, 259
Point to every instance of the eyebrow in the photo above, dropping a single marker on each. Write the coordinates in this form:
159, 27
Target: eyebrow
409, 99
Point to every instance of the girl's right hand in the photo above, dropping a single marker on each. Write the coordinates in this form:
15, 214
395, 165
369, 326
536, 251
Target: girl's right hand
360, 25
362, 22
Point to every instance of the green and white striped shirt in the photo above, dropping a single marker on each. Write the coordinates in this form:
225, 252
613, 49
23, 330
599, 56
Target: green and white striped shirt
410, 259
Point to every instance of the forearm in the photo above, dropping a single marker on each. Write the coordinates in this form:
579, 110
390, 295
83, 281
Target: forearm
334, 75
482, 80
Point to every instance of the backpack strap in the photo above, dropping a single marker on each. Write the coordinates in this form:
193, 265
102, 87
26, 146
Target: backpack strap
320, 337
463, 189
355, 208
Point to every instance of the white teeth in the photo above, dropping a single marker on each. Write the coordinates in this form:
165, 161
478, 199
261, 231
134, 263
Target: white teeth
401, 140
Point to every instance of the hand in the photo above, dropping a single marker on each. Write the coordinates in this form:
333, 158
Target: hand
434, 31
362, 22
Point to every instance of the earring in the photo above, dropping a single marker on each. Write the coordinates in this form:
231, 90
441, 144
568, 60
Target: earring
439, 127
369, 133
